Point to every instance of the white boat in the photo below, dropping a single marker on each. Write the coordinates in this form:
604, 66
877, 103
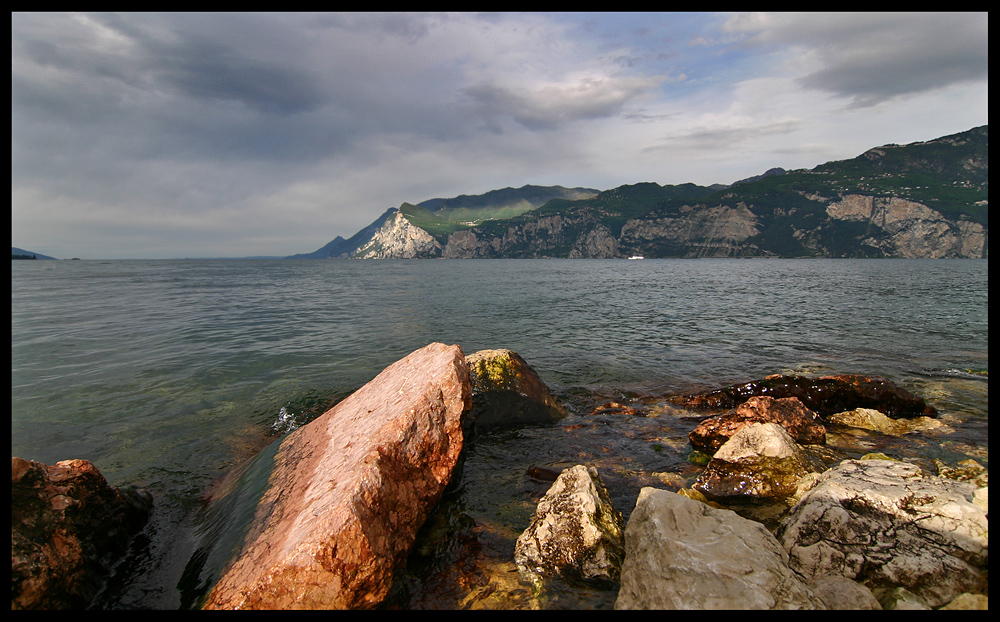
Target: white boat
636, 257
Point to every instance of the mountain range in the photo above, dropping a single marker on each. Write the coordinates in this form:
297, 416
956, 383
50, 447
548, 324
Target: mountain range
925, 199
20, 253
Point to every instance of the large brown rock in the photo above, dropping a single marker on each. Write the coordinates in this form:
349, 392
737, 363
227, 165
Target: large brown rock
67, 526
826, 395
349, 491
801, 423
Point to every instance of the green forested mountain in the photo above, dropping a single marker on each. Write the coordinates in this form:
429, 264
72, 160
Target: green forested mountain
926, 199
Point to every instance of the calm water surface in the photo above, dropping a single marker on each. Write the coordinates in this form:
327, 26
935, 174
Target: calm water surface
167, 373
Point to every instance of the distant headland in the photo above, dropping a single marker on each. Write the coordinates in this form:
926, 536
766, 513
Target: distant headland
921, 200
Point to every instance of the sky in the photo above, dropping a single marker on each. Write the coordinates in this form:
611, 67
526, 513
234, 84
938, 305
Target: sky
153, 136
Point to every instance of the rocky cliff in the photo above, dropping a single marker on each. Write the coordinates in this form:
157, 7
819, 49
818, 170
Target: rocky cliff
902, 228
855, 225
397, 238
923, 200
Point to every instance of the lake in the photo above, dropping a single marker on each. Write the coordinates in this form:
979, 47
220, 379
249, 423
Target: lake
166, 374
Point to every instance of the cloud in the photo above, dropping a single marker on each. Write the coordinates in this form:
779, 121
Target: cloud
731, 137
553, 105
875, 57
295, 128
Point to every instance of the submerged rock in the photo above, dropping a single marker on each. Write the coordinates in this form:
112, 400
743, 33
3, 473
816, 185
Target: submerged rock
885, 523
617, 408
575, 532
67, 526
760, 463
507, 391
349, 491
869, 419
683, 554
964, 471
801, 423
825, 395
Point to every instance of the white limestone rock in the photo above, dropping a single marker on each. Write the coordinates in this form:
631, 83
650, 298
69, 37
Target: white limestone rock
886, 523
575, 531
682, 554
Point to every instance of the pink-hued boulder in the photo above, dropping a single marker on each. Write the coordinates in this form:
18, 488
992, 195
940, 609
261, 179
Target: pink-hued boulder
349, 491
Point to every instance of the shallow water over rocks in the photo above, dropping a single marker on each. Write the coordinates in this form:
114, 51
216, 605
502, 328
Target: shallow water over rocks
167, 374
463, 557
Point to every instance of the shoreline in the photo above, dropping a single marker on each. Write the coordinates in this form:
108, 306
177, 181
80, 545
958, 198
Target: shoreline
643, 421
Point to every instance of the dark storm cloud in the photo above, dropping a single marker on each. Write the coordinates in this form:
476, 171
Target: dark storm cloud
243, 85
227, 57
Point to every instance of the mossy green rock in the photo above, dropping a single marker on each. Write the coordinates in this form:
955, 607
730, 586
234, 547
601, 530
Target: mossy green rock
506, 391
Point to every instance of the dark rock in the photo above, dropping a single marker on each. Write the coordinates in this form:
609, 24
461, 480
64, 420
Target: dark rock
68, 527
826, 395
506, 391
543, 474
801, 423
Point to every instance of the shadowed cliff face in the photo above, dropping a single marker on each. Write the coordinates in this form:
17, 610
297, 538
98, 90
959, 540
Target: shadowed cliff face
922, 200
856, 225
904, 228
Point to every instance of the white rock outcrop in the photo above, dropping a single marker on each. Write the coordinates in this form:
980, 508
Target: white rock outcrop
914, 229
886, 523
683, 554
575, 531
397, 238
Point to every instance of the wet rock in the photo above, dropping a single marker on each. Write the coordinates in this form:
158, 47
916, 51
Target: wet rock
871, 419
801, 423
696, 495
868, 419
682, 554
349, 491
825, 395
761, 463
543, 474
67, 527
964, 471
575, 531
900, 599
617, 408
507, 391
886, 523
